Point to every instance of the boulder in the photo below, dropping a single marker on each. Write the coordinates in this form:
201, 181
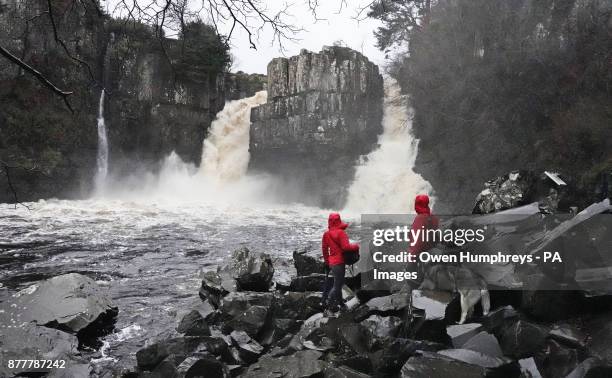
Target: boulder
215, 286
356, 336
312, 282
149, 357
253, 272
390, 305
276, 329
306, 265
592, 367
293, 305
435, 365
302, 364
193, 324
249, 350
33, 342
70, 302
393, 353
505, 192
250, 321
239, 302
193, 367
523, 339
484, 342
383, 326
461, 333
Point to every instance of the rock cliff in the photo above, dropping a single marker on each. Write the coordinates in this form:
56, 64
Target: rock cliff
324, 110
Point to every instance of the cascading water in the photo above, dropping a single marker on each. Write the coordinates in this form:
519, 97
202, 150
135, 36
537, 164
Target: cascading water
225, 154
102, 157
386, 182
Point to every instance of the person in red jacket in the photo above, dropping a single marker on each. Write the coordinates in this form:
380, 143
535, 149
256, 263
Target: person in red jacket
424, 220
334, 243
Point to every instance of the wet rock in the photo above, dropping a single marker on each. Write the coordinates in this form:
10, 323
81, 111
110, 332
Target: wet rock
276, 329
193, 324
237, 303
592, 368
461, 333
300, 306
484, 342
306, 264
70, 302
250, 321
249, 350
569, 335
302, 364
215, 286
436, 304
498, 318
383, 326
34, 342
501, 366
523, 339
149, 357
529, 369
312, 282
356, 336
394, 353
556, 360
389, 305
207, 367
435, 365
253, 272
505, 192
343, 372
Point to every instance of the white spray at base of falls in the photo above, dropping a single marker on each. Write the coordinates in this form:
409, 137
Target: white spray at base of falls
225, 153
386, 181
102, 156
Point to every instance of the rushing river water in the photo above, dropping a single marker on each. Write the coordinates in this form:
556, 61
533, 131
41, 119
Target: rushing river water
148, 254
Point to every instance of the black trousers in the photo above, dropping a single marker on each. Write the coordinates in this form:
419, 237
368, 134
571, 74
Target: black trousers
333, 285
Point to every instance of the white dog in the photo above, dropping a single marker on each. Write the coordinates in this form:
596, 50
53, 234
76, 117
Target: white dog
470, 286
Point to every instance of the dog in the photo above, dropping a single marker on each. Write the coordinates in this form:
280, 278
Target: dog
471, 287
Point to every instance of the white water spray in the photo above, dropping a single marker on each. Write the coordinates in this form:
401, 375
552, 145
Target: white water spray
386, 182
225, 154
102, 157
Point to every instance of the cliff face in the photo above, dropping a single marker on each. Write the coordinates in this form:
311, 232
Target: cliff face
324, 110
157, 100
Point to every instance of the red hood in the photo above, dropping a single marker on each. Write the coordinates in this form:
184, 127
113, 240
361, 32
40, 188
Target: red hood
334, 221
421, 204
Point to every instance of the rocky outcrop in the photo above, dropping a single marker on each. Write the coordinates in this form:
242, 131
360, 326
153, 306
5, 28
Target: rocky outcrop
324, 110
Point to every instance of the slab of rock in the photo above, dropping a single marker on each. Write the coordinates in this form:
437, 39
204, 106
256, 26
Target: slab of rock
461, 333
302, 364
193, 367
300, 306
592, 367
312, 282
383, 326
193, 324
484, 342
479, 359
253, 272
434, 303
250, 321
70, 302
498, 318
393, 353
19, 341
306, 264
249, 349
215, 286
237, 303
523, 339
435, 365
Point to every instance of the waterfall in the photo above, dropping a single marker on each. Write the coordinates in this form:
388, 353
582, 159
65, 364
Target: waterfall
102, 157
225, 154
385, 181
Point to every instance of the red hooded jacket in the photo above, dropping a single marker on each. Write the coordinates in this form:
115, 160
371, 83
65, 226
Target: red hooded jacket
335, 241
424, 220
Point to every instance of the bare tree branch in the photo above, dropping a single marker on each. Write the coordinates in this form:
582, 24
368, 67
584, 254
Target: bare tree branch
38, 75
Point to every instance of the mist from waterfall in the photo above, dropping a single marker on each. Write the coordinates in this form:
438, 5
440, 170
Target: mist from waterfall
102, 156
385, 181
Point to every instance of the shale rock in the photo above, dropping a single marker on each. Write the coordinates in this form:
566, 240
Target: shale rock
435, 365
194, 367
302, 364
250, 321
193, 324
484, 343
249, 349
461, 333
312, 282
306, 264
383, 326
523, 339
294, 305
393, 353
253, 272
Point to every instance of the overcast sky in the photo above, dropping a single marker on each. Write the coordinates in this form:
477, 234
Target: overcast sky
334, 24
337, 26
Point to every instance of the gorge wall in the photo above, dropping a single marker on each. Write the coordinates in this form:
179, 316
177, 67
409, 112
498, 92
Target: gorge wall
499, 86
324, 111
162, 95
